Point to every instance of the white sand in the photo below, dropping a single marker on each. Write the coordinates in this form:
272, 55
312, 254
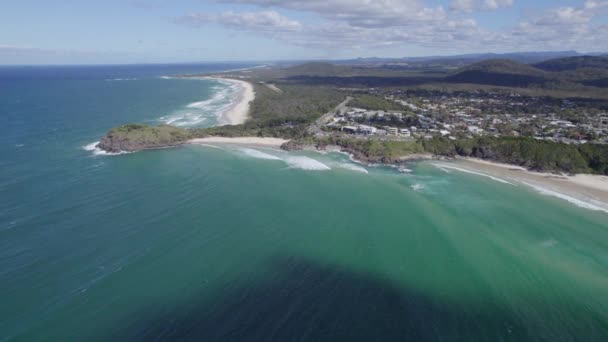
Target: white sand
274, 142
238, 113
582, 187
591, 181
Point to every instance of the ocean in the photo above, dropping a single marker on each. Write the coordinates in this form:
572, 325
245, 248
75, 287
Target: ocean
218, 243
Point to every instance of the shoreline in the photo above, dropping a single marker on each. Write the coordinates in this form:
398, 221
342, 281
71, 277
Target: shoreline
248, 141
584, 190
238, 111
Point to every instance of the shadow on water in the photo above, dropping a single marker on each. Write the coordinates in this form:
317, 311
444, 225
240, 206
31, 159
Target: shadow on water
304, 301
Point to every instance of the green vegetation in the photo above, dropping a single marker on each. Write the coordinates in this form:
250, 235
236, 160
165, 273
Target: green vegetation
539, 155
372, 102
573, 63
286, 114
133, 137
563, 78
504, 66
146, 133
365, 150
574, 73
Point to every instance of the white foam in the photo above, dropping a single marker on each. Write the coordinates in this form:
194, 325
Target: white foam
184, 119
352, 167
259, 154
472, 172
442, 168
306, 163
572, 200
197, 112
212, 146
294, 162
99, 152
417, 187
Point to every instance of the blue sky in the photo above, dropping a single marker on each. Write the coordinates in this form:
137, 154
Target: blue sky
148, 31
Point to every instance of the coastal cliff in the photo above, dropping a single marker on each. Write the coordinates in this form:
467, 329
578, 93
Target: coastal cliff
136, 137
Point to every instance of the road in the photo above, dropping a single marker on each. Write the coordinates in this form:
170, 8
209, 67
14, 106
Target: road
315, 128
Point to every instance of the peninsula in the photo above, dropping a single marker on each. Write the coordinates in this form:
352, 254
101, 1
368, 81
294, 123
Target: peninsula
548, 117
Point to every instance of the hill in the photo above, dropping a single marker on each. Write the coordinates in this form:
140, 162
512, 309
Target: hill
135, 137
466, 59
501, 72
318, 69
573, 63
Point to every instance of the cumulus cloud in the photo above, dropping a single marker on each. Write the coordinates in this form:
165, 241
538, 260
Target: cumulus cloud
361, 24
571, 27
265, 21
359, 13
477, 5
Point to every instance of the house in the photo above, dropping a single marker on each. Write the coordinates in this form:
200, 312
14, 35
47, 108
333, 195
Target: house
364, 129
405, 132
392, 130
349, 129
474, 129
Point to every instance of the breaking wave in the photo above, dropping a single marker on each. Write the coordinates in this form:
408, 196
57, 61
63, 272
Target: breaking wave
211, 146
92, 147
306, 163
258, 154
195, 113
572, 200
352, 167
293, 162
447, 167
417, 187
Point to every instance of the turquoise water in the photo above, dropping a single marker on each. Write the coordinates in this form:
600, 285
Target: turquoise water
235, 244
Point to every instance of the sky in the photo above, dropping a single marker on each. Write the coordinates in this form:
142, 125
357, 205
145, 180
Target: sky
176, 31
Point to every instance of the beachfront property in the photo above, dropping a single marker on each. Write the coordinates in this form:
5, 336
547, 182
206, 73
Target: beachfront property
366, 130
391, 130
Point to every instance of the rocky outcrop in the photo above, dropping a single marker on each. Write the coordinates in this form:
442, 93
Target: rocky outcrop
135, 137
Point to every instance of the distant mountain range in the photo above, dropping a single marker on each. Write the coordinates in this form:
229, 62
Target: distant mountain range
554, 73
568, 73
459, 60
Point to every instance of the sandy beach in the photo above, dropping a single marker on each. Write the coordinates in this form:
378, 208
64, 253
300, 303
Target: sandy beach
251, 141
590, 191
238, 112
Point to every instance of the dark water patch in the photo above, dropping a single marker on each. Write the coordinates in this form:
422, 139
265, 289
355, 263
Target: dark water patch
302, 300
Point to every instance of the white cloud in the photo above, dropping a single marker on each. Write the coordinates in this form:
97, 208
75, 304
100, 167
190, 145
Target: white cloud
477, 5
369, 24
496, 4
564, 27
359, 13
265, 21
596, 4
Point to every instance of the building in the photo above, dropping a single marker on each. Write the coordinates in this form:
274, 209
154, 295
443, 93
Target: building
405, 132
391, 130
475, 129
364, 129
349, 129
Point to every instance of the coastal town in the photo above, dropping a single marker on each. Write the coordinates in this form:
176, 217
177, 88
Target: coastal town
428, 115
